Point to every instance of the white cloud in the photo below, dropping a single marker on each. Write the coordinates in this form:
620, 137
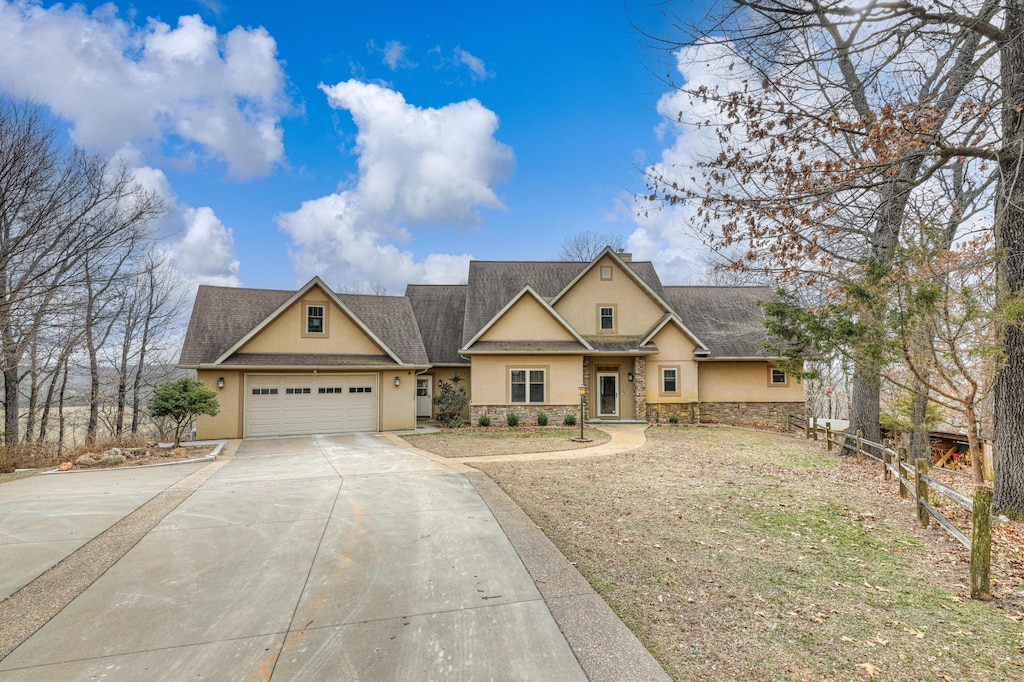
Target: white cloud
394, 55
199, 245
664, 234
123, 85
416, 165
475, 64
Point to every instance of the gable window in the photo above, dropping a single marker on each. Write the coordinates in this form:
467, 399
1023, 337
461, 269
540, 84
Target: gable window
779, 377
606, 318
606, 272
669, 380
527, 385
314, 319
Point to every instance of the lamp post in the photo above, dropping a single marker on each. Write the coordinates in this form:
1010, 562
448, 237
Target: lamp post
583, 392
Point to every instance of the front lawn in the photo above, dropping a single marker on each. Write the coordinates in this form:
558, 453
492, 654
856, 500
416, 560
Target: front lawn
753, 556
474, 441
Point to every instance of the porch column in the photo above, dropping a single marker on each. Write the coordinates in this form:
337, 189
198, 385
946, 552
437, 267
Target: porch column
640, 387
586, 380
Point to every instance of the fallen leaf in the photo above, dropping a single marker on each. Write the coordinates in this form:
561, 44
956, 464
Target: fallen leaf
868, 668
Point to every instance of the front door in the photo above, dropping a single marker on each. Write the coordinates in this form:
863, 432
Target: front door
424, 397
607, 395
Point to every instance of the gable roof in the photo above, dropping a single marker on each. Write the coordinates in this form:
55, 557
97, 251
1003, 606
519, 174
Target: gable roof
727, 319
494, 283
440, 310
580, 343
224, 318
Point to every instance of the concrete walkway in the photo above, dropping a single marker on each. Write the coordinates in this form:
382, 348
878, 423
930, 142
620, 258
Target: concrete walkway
331, 557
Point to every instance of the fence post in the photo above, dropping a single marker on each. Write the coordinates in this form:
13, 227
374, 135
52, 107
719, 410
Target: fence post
981, 542
828, 436
807, 428
860, 446
815, 425
886, 459
901, 457
921, 488
789, 421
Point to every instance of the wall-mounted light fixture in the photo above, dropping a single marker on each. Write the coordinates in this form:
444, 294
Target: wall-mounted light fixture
398, 381
220, 382
629, 376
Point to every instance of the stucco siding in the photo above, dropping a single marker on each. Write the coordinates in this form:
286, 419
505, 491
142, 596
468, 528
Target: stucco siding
228, 422
527, 320
286, 333
675, 352
490, 377
635, 311
744, 382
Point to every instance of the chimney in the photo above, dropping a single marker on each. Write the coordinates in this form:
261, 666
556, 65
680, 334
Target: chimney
627, 257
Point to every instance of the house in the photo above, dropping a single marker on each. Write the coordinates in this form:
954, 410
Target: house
521, 336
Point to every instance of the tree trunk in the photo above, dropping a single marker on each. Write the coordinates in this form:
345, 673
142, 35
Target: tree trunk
1008, 491
11, 405
866, 403
919, 443
60, 407
122, 386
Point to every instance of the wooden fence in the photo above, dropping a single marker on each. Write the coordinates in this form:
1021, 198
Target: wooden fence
915, 477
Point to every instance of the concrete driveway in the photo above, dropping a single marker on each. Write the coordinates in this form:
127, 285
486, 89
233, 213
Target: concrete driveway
328, 557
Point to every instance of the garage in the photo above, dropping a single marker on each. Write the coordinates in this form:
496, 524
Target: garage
298, 404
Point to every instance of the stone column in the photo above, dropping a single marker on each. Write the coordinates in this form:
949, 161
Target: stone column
640, 387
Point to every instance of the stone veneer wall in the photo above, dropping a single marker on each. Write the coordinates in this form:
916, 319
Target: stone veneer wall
640, 386
527, 413
772, 415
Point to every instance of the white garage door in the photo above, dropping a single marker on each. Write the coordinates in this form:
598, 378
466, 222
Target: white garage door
295, 404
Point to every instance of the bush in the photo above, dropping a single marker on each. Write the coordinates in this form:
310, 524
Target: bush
450, 401
673, 419
183, 400
512, 419
542, 419
483, 420
569, 420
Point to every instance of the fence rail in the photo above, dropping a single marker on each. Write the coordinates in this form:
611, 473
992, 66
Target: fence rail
915, 477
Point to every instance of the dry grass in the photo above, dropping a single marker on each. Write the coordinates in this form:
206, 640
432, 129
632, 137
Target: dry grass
477, 441
753, 556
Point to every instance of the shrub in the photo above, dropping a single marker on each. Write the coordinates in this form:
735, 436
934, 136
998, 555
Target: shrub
512, 419
673, 419
483, 420
183, 400
542, 419
569, 420
450, 401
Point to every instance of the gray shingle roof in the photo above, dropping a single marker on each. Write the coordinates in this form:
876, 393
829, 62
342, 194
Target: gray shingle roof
307, 360
528, 346
440, 310
727, 319
494, 283
221, 316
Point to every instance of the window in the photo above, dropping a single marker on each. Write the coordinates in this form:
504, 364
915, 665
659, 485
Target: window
264, 391
606, 272
296, 391
607, 318
669, 380
527, 385
359, 389
330, 389
314, 319
779, 377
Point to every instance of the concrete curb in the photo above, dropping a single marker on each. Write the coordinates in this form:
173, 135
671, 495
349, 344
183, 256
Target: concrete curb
606, 649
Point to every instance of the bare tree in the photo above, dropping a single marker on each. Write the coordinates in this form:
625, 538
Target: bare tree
584, 246
57, 204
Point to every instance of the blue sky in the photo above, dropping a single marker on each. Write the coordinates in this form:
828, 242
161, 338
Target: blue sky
364, 142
